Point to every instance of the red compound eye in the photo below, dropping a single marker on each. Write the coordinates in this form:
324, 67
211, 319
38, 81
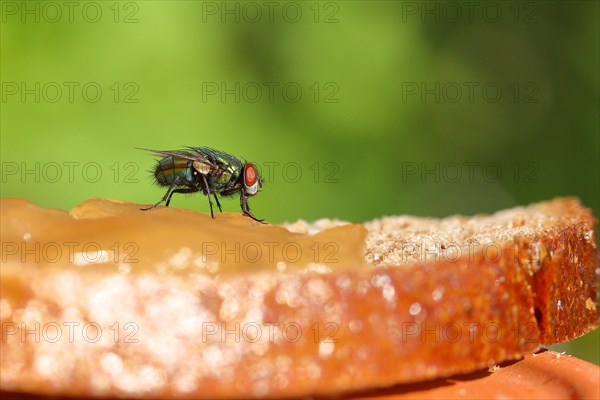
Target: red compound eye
250, 174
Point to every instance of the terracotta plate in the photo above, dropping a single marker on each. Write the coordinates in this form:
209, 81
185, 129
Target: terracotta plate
547, 374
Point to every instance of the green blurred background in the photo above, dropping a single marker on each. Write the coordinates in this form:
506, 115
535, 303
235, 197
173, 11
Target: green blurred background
352, 109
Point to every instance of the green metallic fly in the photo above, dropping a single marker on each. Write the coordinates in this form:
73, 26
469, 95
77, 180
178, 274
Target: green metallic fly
206, 170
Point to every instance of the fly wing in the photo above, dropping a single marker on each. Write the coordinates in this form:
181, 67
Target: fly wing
175, 153
201, 163
223, 160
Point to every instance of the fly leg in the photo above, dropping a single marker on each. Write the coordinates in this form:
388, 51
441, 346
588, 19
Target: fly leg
208, 195
246, 208
167, 197
179, 191
172, 189
218, 204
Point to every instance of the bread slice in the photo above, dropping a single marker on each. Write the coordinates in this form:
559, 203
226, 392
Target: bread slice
404, 299
553, 242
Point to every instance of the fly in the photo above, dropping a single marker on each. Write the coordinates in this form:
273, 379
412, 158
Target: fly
206, 170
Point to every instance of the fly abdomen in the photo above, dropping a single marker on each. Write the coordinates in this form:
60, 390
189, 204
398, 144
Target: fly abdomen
169, 168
